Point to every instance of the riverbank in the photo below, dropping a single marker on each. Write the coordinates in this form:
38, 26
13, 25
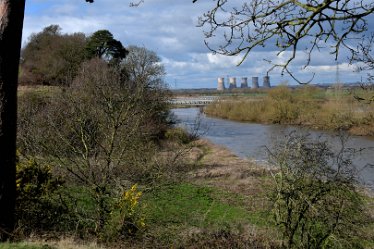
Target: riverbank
222, 203
254, 183
221, 168
309, 107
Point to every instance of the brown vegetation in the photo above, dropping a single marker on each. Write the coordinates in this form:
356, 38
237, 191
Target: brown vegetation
308, 106
52, 58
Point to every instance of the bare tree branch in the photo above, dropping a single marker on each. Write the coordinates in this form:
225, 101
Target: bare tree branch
285, 24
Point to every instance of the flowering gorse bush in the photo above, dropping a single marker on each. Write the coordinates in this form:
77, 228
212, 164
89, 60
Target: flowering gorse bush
34, 180
36, 187
131, 218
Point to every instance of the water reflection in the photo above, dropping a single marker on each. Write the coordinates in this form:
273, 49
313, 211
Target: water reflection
250, 140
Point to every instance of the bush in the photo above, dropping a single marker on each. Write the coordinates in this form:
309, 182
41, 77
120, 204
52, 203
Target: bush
282, 110
52, 58
316, 204
36, 207
100, 134
226, 239
127, 218
179, 135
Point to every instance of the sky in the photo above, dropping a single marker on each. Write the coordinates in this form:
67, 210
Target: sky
169, 27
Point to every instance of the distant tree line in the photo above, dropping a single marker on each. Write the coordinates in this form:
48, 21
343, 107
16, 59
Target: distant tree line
53, 58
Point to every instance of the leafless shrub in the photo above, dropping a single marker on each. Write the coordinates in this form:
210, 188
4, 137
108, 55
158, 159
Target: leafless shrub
100, 132
316, 203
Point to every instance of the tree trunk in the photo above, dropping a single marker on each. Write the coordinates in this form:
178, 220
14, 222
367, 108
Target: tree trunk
11, 22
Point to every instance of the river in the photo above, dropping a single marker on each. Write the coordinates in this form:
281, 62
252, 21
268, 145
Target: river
248, 140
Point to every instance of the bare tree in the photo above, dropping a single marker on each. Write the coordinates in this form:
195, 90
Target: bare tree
315, 201
364, 55
290, 25
143, 65
100, 132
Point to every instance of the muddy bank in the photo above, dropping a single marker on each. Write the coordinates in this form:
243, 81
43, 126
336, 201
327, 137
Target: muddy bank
221, 168
218, 167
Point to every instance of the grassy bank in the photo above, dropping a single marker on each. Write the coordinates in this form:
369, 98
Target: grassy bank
222, 203
333, 109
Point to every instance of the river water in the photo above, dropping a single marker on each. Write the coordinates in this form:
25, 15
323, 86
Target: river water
248, 140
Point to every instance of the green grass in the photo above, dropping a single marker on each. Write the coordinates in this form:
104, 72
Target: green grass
173, 210
177, 207
187, 204
183, 206
23, 245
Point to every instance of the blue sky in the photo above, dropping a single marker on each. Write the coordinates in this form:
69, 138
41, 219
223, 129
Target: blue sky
169, 27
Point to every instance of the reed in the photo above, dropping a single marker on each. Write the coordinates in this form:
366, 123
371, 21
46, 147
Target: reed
307, 106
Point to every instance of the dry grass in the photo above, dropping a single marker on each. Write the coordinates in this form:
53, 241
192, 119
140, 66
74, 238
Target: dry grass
43, 91
69, 243
223, 170
306, 106
63, 243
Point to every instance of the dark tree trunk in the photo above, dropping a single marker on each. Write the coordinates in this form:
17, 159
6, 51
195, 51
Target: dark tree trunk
11, 22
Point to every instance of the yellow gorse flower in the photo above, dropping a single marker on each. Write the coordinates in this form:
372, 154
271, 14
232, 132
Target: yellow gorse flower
130, 208
131, 199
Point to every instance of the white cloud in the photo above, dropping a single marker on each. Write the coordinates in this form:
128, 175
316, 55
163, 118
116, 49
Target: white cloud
169, 28
342, 68
223, 61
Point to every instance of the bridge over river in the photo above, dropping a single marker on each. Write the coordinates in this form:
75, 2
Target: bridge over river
194, 101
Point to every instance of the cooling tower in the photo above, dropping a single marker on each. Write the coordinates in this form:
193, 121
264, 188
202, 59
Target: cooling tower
244, 83
232, 82
266, 82
255, 82
221, 84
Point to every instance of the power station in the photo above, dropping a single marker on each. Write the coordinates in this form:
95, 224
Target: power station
243, 83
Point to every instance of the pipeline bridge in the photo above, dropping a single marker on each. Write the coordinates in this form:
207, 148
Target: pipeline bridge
194, 101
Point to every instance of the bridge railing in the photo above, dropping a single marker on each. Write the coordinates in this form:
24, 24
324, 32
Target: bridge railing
203, 100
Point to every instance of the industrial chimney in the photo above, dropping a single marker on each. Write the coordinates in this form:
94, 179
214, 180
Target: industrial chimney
221, 84
255, 82
232, 82
244, 83
266, 82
